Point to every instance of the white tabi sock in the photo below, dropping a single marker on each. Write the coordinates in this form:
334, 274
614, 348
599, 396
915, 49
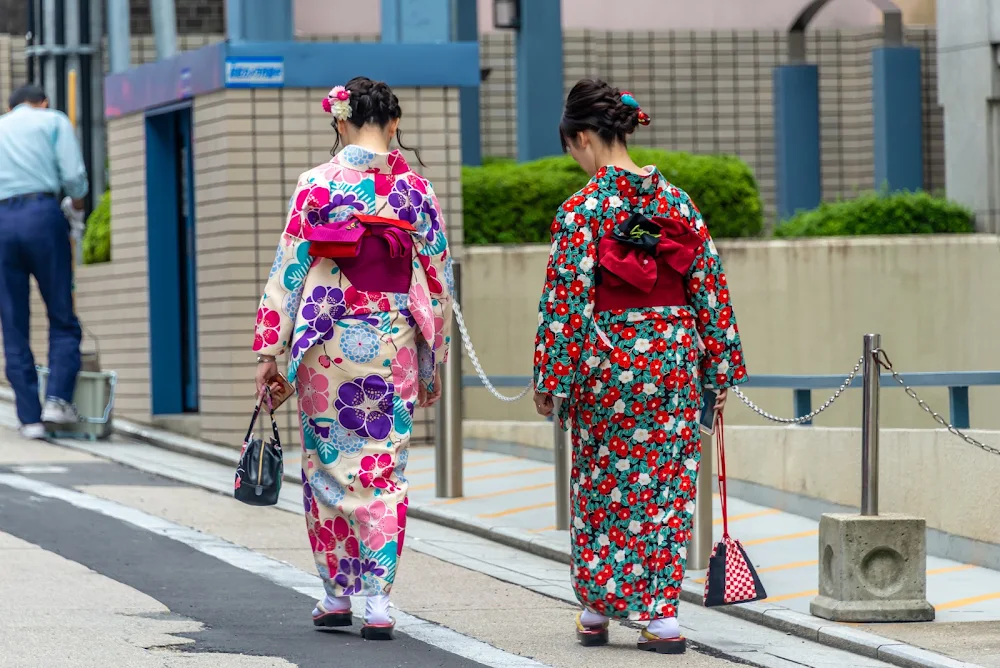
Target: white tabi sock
334, 604
377, 610
591, 619
665, 627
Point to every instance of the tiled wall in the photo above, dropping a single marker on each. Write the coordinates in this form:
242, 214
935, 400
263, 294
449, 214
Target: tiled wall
710, 92
250, 147
13, 69
193, 16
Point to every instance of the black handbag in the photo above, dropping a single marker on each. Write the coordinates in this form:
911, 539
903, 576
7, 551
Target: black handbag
261, 467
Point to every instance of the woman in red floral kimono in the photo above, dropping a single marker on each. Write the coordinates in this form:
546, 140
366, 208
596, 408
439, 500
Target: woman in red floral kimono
635, 321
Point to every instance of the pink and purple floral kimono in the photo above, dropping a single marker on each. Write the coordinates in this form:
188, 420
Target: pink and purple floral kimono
356, 358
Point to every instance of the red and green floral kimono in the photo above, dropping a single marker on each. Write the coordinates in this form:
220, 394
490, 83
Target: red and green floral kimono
630, 339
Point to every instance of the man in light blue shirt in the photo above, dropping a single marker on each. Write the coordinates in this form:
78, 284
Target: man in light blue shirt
40, 160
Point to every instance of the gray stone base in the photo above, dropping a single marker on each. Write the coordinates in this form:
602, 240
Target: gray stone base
872, 569
871, 611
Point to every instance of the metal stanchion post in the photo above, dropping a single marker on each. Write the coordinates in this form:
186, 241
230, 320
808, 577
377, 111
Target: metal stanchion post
563, 452
448, 415
700, 548
869, 427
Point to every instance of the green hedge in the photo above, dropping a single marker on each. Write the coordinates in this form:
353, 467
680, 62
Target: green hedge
97, 237
509, 202
881, 213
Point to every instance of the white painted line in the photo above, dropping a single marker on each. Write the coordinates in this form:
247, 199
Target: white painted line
38, 469
273, 570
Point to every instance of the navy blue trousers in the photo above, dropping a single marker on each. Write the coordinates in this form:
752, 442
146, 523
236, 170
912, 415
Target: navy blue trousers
34, 241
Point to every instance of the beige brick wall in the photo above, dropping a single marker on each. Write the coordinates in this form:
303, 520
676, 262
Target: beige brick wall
13, 70
113, 298
711, 92
250, 147
6, 71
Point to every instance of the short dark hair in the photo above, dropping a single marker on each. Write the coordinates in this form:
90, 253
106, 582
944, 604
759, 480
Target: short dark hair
593, 104
29, 93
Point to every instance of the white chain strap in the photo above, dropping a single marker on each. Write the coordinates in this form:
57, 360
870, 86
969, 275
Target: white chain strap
467, 340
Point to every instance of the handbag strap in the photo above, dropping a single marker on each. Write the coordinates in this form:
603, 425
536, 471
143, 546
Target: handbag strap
256, 413
720, 443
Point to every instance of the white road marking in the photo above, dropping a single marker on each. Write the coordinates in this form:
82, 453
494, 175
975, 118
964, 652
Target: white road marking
38, 469
273, 570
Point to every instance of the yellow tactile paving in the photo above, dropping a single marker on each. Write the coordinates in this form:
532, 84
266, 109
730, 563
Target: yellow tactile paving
521, 509
490, 495
488, 476
786, 536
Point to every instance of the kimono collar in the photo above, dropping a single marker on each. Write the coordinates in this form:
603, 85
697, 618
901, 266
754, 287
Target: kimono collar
364, 160
643, 183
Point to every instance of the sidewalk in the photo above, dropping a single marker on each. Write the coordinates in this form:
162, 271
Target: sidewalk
518, 493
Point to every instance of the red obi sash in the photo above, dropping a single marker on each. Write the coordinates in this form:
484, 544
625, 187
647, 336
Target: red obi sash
375, 254
643, 263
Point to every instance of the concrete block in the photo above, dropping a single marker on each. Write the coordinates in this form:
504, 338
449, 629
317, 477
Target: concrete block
872, 569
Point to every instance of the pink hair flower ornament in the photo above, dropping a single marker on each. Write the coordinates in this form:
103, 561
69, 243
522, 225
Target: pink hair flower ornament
338, 103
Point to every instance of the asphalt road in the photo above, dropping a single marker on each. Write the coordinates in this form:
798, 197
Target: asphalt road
242, 613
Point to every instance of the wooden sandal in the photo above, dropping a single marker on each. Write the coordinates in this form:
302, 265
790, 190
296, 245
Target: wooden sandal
591, 636
650, 642
378, 631
331, 620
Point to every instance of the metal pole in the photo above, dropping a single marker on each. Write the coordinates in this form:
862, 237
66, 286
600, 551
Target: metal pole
49, 20
700, 548
164, 28
448, 433
98, 142
119, 36
562, 450
869, 427
72, 33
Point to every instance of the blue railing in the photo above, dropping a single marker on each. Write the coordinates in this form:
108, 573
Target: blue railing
957, 382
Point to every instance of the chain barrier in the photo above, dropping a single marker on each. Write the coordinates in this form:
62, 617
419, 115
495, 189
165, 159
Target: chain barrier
467, 340
882, 359
805, 418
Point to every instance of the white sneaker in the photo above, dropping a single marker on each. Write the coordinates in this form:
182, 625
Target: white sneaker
57, 411
34, 432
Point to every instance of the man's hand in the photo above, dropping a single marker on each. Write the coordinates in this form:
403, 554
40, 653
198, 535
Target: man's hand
73, 210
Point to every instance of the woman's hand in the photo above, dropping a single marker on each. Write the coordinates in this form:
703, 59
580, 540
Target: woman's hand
428, 397
267, 374
720, 401
544, 404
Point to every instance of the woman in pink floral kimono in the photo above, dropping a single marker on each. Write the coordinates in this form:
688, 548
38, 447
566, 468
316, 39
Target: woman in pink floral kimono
364, 331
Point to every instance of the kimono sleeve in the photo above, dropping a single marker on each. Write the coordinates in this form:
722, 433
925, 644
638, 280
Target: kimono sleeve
279, 304
567, 303
436, 260
722, 360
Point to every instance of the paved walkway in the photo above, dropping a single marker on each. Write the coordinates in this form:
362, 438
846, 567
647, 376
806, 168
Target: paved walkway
519, 493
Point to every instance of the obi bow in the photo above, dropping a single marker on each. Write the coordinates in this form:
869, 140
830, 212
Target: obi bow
634, 251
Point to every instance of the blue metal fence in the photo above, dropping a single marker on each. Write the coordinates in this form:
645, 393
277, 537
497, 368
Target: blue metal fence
957, 382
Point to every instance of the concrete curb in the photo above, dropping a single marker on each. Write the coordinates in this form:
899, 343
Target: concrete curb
766, 614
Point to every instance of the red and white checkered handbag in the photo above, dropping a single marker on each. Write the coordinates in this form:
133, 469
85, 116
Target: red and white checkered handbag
731, 578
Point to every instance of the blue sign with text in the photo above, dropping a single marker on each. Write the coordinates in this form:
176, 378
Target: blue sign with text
263, 72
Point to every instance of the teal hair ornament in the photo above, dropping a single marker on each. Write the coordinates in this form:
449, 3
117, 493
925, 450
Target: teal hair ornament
629, 101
